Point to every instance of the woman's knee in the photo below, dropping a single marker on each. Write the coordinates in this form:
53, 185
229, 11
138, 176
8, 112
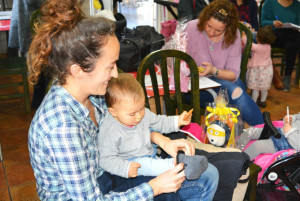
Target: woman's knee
203, 188
213, 172
237, 92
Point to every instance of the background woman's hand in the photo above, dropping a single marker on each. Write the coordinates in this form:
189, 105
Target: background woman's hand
287, 123
277, 24
287, 119
209, 69
169, 181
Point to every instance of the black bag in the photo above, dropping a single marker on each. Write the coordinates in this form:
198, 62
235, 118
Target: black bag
152, 38
132, 50
136, 44
121, 24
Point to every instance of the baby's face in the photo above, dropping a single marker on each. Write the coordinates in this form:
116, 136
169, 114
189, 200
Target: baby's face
129, 112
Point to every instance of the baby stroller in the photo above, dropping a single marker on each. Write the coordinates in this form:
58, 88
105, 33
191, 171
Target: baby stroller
279, 180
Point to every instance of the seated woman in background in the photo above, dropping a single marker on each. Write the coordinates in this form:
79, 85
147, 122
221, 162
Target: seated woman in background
214, 42
247, 12
275, 13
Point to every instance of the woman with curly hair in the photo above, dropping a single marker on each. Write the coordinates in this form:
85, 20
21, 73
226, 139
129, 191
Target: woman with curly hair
81, 53
214, 42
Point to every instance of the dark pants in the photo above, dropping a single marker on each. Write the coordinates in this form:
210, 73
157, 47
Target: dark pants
108, 182
289, 39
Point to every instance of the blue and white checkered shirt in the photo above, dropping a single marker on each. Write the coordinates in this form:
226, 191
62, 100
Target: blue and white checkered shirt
63, 151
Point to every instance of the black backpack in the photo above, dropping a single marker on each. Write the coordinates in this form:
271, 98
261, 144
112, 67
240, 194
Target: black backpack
137, 43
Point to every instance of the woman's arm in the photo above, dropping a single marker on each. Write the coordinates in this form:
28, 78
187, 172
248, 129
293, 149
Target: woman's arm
74, 163
221, 74
266, 13
232, 62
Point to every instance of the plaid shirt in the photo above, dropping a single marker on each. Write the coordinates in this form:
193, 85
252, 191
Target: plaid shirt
63, 151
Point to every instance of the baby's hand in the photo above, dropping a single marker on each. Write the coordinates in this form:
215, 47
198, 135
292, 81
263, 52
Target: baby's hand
185, 118
133, 169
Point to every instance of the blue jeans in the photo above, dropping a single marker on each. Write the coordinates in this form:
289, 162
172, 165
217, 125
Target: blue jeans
248, 108
203, 188
281, 143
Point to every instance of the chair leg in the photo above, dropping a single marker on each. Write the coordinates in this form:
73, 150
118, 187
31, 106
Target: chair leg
282, 65
26, 92
297, 77
252, 185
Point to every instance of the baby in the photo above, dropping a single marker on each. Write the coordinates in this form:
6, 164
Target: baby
290, 138
125, 136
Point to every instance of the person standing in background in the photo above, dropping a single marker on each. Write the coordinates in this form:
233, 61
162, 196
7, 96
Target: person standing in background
247, 12
20, 35
260, 68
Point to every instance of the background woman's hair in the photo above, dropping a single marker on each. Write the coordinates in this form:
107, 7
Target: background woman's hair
230, 18
123, 86
64, 37
265, 35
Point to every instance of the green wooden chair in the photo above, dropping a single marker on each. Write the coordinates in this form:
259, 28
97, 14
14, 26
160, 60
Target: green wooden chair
34, 19
173, 102
246, 52
15, 66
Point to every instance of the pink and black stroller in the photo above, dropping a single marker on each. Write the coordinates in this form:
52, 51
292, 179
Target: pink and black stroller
280, 175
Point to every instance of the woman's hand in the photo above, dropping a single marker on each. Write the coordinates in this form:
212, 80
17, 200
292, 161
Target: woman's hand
133, 169
209, 69
172, 146
277, 24
169, 181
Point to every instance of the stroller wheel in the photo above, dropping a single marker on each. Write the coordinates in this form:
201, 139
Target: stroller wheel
272, 176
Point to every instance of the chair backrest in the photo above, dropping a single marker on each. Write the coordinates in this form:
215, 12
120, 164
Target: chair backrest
246, 51
34, 19
171, 105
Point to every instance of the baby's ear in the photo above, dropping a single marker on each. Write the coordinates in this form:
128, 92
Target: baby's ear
112, 111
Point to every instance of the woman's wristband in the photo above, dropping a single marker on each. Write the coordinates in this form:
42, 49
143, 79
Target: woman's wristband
216, 73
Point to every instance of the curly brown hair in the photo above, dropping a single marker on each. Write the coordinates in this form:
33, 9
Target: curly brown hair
224, 11
64, 36
265, 35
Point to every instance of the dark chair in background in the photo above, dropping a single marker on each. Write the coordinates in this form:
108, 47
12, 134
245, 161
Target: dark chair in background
15, 66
